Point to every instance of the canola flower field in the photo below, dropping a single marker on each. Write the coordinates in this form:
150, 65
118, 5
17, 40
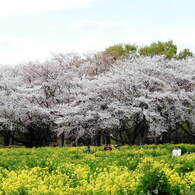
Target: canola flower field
69, 170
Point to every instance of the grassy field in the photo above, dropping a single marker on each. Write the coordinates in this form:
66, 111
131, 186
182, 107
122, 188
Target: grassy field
70, 170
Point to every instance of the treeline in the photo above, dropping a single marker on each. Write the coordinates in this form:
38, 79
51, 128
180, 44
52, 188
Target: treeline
167, 49
125, 93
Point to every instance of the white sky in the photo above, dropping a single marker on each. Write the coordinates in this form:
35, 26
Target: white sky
19, 7
33, 29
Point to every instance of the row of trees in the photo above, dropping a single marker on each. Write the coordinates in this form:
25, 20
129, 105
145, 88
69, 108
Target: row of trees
168, 49
91, 100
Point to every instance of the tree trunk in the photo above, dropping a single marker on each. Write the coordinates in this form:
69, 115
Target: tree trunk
108, 140
121, 138
62, 139
98, 140
7, 140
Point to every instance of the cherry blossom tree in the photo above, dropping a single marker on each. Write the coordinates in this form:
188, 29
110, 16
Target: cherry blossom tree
90, 100
140, 97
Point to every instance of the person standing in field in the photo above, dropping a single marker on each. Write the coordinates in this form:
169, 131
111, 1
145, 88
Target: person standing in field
174, 152
109, 148
105, 148
88, 150
179, 151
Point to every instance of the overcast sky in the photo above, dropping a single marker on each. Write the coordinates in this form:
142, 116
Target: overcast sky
33, 29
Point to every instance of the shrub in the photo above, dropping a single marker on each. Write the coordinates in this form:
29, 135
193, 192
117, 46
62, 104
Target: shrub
154, 182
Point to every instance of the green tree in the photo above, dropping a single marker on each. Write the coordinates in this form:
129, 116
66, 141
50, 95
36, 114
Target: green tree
184, 54
168, 49
119, 50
